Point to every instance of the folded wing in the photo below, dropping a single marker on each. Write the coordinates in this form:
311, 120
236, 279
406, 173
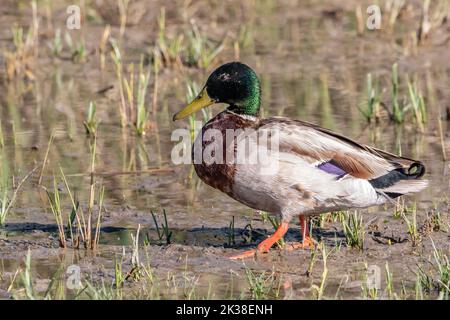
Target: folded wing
340, 156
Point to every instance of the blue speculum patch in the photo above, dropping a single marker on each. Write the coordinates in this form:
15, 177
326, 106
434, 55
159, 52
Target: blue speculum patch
331, 168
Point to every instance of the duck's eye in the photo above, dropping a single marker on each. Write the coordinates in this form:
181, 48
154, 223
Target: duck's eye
224, 77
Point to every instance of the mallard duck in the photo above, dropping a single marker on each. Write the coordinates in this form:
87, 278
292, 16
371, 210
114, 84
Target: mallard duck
317, 170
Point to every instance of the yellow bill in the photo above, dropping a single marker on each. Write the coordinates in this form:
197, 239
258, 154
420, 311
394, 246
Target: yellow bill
202, 101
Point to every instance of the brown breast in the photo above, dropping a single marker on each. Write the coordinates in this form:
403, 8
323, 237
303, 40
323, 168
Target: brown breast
221, 175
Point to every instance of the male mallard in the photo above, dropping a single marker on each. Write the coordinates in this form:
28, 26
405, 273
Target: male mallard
317, 170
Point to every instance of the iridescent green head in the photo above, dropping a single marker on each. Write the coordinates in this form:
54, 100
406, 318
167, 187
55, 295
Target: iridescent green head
235, 84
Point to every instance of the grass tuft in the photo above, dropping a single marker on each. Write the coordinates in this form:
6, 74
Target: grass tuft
19, 62
169, 48
418, 104
436, 279
192, 48
413, 232
82, 227
8, 192
132, 107
91, 124
354, 230
78, 50
200, 50
163, 231
318, 291
399, 110
261, 285
372, 109
231, 234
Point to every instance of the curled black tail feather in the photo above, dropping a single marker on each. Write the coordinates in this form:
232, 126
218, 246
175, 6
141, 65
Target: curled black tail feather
415, 171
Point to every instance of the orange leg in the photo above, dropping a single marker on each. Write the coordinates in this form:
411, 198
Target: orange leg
307, 241
266, 244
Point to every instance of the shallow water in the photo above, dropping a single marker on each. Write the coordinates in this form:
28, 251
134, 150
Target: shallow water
312, 66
